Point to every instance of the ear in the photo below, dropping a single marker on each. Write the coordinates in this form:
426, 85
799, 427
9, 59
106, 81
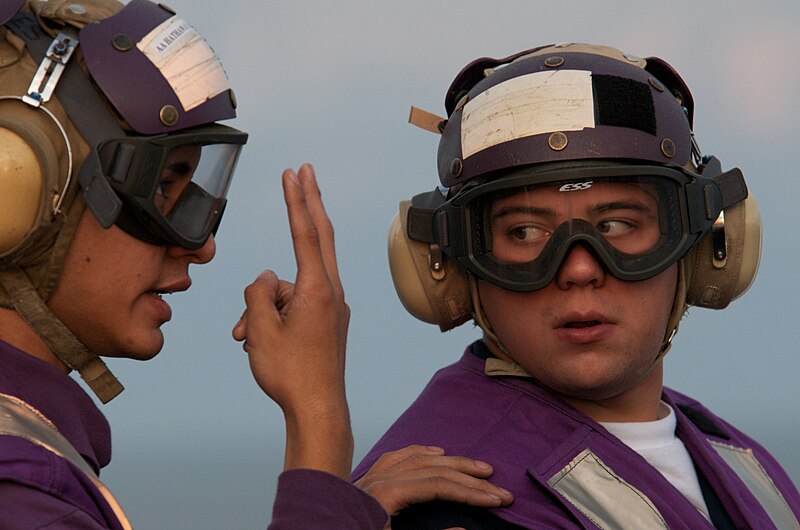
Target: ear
437, 297
715, 279
28, 182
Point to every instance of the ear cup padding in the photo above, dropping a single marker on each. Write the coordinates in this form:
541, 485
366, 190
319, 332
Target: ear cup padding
440, 298
28, 170
713, 284
751, 247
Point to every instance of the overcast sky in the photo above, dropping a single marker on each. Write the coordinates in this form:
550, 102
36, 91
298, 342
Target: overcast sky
197, 445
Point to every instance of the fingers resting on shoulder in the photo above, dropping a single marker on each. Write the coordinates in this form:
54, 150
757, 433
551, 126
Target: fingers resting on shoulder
417, 474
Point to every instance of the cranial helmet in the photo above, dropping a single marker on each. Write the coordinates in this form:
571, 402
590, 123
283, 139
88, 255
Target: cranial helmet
552, 122
113, 107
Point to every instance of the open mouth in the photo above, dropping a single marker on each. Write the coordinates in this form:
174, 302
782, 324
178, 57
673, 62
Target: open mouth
581, 325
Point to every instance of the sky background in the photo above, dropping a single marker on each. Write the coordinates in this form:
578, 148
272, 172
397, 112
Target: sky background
196, 443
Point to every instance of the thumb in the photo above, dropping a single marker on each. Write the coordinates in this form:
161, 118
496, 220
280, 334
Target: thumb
240, 328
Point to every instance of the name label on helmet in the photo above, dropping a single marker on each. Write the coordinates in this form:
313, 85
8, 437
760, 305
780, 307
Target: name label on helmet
186, 61
537, 103
576, 186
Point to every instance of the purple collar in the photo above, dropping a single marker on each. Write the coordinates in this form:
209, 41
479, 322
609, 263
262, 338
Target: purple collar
61, 399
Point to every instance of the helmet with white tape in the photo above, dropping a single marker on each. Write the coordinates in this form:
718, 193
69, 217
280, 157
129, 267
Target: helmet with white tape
97, 100
552, 121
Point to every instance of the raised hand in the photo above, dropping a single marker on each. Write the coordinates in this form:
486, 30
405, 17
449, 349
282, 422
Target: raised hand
295, 336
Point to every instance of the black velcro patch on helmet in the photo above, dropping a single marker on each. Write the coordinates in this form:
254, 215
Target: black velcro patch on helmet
622, 102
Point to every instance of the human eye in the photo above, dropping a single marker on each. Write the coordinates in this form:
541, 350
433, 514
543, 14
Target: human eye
518, 241
164, 187
632, 235
529, 233
173, 175
616, 227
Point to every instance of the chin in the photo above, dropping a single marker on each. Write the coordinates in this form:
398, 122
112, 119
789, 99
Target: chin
152, 351
146, 356
140, 348
590, 391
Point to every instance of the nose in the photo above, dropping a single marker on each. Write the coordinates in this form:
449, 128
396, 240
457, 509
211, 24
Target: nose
580, 268
200, 255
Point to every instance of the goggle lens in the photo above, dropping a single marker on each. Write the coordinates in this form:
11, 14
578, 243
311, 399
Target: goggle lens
628, 216
193, 185
173, 187
516, 231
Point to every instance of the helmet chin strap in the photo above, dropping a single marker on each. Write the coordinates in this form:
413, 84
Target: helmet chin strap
678, 310
61, 341
480, 318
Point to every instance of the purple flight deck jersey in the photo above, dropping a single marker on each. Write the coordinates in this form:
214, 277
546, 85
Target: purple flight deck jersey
41, 490
38, 488
566, 471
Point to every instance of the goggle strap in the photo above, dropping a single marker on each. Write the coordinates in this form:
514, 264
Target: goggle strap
421, 215
712, 194
733, 187
98, 194
731, 183
95, 123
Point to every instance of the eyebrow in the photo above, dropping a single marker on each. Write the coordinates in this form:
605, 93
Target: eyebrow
620, 205
530, 210
180, 167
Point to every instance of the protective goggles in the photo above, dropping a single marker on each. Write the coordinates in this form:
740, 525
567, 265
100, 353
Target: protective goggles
516, 231
172, 186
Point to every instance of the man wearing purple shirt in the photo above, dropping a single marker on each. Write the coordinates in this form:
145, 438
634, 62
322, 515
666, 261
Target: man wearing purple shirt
113, 176
575, 223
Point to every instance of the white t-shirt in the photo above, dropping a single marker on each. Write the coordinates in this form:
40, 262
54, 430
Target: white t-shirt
656, 442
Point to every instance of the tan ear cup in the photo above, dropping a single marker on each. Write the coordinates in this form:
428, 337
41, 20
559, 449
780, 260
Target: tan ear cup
26, 160
714, 283
436, 297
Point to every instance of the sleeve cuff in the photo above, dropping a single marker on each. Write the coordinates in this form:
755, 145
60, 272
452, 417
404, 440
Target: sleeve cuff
307, 498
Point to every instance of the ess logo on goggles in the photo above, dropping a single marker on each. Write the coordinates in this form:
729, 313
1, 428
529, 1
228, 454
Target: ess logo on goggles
516, 231
576, 186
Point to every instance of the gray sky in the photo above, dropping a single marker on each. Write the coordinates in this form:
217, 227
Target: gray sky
196, 443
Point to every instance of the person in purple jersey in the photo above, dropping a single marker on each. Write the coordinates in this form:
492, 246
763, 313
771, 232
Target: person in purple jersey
114, 172
575, 222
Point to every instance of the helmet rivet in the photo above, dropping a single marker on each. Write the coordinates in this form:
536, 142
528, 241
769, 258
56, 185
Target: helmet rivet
121, 42
632, 58
456, 166
59, 48
668, 147
557, 141
554, 62
76, 9
655, 83
168, 115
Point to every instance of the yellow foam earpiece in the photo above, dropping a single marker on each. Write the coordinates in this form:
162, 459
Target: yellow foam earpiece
715, 284
21, 180
440, 297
